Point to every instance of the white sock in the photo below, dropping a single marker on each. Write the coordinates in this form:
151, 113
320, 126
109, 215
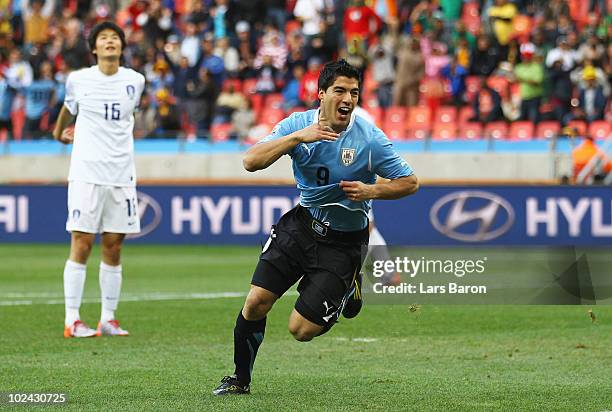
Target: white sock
74, 282
110, 286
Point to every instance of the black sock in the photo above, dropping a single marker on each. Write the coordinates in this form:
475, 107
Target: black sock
248, 335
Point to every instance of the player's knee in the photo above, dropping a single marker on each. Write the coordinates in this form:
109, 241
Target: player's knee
301, 334
82, 245
257, 306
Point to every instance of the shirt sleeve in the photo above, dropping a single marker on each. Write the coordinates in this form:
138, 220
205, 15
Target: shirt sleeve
283, 128
70, 100
385, 160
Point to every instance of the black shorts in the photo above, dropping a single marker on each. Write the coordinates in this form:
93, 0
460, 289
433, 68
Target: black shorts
327, 261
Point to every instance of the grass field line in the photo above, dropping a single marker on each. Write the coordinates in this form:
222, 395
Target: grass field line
25, 299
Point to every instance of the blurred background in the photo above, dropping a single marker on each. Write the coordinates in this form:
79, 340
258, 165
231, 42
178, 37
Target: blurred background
491, 101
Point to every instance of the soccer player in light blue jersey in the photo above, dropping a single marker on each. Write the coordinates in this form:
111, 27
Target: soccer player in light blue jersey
336, 158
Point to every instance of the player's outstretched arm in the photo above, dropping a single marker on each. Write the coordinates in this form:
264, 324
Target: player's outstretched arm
262, 155
61, 133
389, 190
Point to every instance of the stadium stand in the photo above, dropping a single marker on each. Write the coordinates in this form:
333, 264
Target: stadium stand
247, 52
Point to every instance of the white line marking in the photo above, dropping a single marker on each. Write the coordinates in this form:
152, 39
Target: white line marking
143, 297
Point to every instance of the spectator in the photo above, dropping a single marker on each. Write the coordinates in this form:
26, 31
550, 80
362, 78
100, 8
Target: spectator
190, 46
456, 74
561, 90
309, 12
168, 120
267, 76
437, 60
530, 76
592, 50
39, 99
569, 58
482, 112
36, 16
75, 52
230, 56
501, 16
584, 154
323, 45
360, 22
243, 119
309, 86
275, 50
246, 49
7, 95
485, 58
228, 101
201, 97
410, 72
276, 12
144, 118
211, 62
577, 77
592, 101
291, 91
381, 58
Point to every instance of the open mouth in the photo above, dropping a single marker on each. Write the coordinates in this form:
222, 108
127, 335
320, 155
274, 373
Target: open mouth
344, 112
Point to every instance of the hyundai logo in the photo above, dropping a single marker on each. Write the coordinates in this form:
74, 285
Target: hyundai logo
150, 214
472, 216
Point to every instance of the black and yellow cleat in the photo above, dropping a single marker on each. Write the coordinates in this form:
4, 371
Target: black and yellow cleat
230, 385
354, 303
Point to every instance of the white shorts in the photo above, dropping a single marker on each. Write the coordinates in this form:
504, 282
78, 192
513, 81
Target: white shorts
96, 208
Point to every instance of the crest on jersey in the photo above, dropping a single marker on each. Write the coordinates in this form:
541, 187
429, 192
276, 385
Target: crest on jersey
76, 214
131, 91
348, 156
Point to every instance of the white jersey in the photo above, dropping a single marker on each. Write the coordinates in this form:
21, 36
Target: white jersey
103, 149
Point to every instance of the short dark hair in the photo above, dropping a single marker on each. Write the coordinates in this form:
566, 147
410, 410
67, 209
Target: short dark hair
334, 69
98, 28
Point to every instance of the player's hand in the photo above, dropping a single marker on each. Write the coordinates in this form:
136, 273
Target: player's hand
66, 137
316, 132
357, 191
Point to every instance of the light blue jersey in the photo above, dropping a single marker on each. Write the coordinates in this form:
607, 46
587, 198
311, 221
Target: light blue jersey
37, 97
361, 152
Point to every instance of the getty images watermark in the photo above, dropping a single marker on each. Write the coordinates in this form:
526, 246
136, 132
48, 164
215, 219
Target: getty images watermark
416, 269
488, 275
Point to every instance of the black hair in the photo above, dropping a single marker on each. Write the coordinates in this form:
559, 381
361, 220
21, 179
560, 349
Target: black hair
98, 28
334, 69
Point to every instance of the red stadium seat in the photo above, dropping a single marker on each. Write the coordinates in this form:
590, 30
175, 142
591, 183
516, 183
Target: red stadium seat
377, 113
394, 124
470, 131
396, 114
444, 131
394, 131
471, 17
221, 132
521, 131
496, 130
579, 125
418, 116
472, 86
465, 114
499, 84
446, 114
270, 116
547, 130
600, 129
249, 86
237, 83
418, 124
274, 101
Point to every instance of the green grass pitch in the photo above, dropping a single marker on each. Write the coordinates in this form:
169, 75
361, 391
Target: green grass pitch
439, 358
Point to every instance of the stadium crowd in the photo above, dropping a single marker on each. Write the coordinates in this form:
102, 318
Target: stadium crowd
233, 68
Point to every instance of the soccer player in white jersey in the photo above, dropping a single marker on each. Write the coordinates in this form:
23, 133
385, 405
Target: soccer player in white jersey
102, 178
